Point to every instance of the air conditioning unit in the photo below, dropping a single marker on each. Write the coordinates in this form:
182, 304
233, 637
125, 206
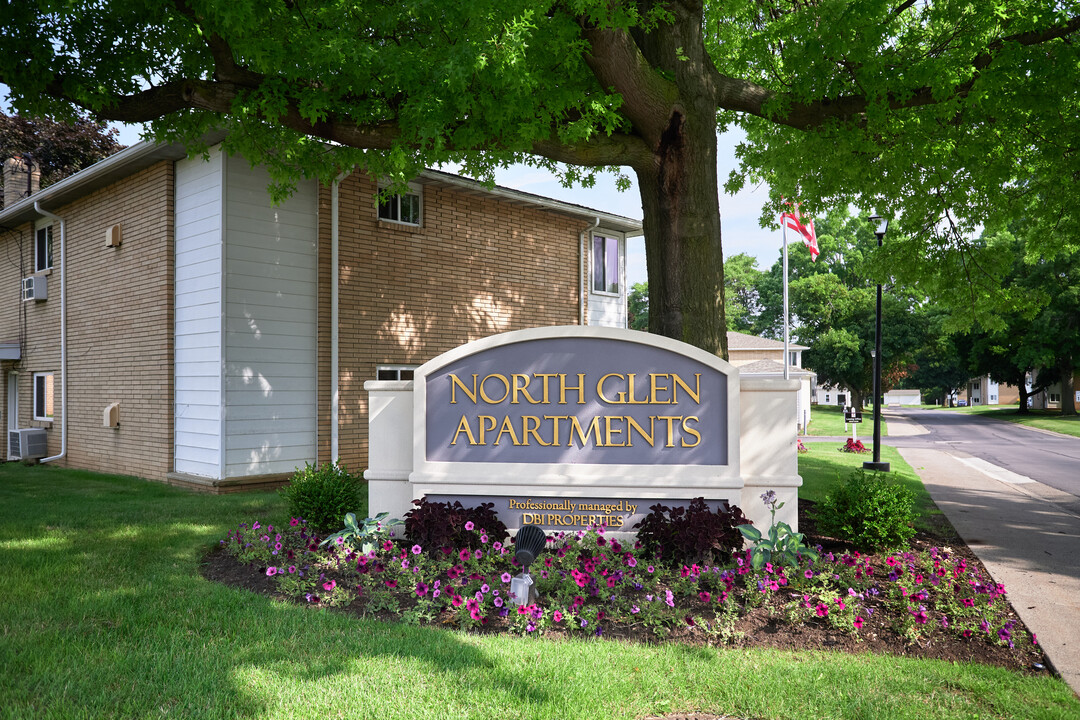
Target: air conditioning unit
27, 444
34, 288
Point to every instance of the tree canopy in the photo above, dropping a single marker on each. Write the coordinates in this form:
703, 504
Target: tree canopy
58, 148
942, 111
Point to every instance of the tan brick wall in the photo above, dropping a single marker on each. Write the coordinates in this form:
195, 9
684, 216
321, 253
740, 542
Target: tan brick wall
119, 326
477, 267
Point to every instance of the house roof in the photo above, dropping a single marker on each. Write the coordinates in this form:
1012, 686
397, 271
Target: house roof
144, 154
771, 367
742, 341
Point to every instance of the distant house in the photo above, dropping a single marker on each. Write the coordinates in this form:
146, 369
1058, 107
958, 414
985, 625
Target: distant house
161, 317
761, 356
902, 397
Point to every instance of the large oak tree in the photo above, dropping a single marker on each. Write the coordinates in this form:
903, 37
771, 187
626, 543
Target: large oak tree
919, 106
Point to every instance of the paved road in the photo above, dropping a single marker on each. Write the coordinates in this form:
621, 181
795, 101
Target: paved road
1047, 458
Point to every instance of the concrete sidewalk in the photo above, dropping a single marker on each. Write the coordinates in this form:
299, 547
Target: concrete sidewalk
1027, 536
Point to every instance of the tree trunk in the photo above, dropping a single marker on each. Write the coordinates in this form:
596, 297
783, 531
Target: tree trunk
682, 241
1065, 370
1025, 397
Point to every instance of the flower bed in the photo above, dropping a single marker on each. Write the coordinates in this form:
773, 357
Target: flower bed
592, 585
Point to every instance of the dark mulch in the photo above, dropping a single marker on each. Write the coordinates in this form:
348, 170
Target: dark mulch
758, 629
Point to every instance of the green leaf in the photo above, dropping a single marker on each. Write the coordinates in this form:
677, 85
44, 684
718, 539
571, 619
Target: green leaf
749, 532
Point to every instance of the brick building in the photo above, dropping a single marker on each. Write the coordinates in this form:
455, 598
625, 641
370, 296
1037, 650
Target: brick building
161, 317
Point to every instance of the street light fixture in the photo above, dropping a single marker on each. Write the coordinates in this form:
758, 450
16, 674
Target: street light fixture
881, 225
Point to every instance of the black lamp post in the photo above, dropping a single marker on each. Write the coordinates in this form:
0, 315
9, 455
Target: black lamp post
882, 224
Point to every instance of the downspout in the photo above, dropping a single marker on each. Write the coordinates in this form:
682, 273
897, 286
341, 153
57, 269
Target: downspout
63, 335
583, 280
334, 360
335, 391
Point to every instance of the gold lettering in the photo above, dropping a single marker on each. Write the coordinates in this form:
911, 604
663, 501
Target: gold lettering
575, 426
523, 389
485, 428
609, 431
655, 388
620, 399
545, 377
580, 387
631, 379
526, 420
647, 436
555, 439
455, 383
694, 394
690, 431
670, 419
463, 427
506, 388
507, 427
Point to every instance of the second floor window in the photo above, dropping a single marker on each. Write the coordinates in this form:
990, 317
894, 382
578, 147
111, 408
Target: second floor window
406, 208
43, 242
605, 264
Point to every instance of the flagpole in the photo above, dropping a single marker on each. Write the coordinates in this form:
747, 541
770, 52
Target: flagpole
786, 353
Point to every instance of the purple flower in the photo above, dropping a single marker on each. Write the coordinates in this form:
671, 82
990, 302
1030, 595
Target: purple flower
416, 549
421, 589
506, 577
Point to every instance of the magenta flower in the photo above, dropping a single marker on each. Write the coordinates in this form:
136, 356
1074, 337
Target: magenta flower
421, 589
328, 586
456, 601
416, 549
469, 525
822, 609
292, 569
557, 616
497, 546
294, 522
704, 596
390, 583
484, 539
631, 561
472, 604
464, 554
506, 577
271, 571
478, 554
858, 623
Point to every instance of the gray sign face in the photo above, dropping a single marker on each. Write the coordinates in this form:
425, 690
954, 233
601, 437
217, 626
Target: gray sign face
577, 400
571, 514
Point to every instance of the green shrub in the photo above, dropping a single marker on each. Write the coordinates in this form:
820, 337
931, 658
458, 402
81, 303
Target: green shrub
322, 495
869, 511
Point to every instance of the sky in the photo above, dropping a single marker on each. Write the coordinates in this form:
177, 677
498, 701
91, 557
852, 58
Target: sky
738, 213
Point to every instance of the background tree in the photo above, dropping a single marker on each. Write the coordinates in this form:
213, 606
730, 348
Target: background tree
637, 306
59, 148
931, 102
742, 303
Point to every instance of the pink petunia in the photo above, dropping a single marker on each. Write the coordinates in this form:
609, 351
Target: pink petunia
469, 525
858, 622
328, 586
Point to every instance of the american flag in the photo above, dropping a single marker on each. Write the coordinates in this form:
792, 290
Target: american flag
793, 220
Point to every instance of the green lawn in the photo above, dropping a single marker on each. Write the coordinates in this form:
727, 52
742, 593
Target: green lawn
104, 615
1042, 419
827, 420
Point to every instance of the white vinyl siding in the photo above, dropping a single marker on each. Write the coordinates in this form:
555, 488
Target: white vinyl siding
197, 322
270, 324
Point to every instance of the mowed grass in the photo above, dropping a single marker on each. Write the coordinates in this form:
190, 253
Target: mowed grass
1043, 419
828, 420
103, 614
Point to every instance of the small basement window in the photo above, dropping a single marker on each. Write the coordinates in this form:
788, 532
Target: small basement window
43, 396
394, 372
43, 248
406, 209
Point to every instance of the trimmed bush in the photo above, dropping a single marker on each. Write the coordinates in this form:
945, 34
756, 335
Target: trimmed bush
680, 536
436, 525
323, 495
869, 511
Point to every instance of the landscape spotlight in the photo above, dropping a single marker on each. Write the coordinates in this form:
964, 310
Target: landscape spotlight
528, 544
